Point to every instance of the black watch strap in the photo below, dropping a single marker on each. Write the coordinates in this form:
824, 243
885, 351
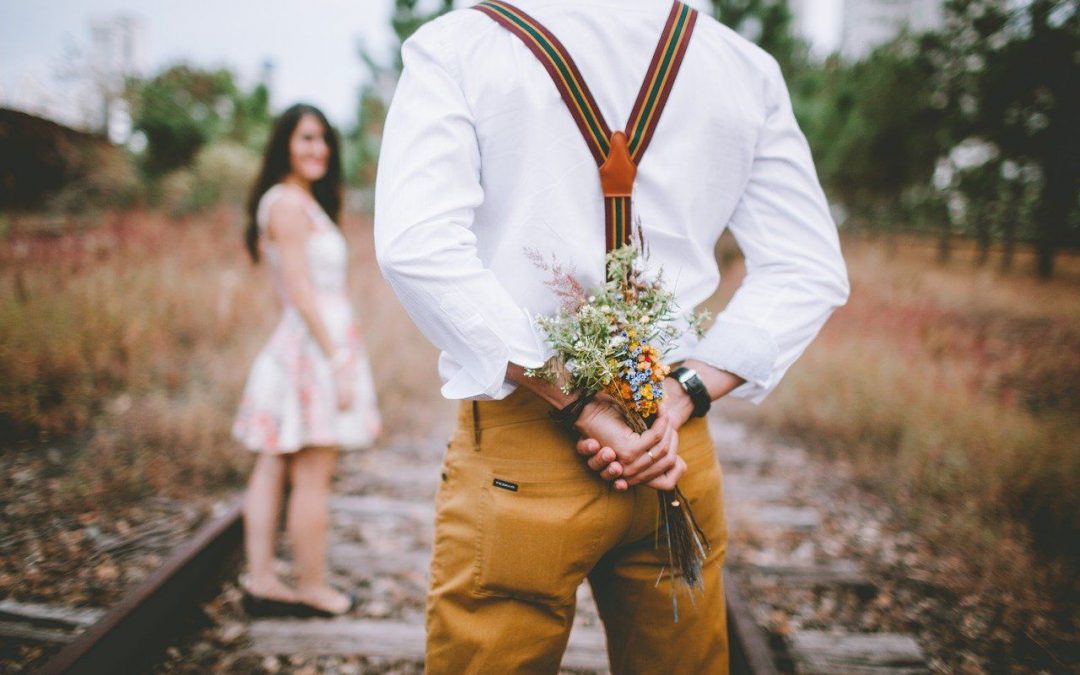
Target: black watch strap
690, 382
569, 415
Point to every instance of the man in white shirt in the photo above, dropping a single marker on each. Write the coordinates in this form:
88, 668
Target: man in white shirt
481, 167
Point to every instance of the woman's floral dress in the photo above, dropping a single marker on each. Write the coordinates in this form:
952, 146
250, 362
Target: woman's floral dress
290, 400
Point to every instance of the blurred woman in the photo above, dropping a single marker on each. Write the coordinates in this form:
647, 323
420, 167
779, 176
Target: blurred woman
310, 390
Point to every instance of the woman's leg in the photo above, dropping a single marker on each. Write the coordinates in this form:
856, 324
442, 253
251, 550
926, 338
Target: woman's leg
308, 522
262, 504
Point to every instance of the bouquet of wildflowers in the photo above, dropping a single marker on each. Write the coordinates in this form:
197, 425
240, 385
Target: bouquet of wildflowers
613, 339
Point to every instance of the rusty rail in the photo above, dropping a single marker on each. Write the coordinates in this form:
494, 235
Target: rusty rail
142, 616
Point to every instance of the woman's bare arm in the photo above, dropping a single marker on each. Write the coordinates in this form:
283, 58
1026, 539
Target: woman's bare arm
290, 227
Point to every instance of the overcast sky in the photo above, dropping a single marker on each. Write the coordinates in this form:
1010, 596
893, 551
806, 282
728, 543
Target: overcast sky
312, 43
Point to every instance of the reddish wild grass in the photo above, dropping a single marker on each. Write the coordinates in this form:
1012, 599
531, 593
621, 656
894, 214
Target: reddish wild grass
130, 343
955, 392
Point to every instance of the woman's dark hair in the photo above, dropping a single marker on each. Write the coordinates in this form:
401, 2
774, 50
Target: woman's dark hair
276, 165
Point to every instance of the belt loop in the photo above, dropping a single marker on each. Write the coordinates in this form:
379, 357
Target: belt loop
476, 425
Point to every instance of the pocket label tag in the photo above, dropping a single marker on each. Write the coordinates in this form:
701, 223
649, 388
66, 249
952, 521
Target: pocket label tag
505, 484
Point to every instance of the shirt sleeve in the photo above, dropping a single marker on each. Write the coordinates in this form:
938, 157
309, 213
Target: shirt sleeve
795, 274
427, 189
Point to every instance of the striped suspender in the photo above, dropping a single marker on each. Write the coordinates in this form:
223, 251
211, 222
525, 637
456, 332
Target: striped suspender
618, 153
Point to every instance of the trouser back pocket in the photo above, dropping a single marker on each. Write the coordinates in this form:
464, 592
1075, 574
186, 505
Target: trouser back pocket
538, 535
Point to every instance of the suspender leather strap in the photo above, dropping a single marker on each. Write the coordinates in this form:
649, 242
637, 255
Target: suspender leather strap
618, 153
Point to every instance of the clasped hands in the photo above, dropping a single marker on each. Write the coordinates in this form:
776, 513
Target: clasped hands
627, 458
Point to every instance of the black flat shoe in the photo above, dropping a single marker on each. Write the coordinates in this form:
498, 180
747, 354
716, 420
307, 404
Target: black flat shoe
256, 605
307, 611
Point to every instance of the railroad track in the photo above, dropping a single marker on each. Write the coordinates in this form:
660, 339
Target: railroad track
125, 634
382, 519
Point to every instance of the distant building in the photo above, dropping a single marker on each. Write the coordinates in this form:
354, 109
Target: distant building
113, 59
854, 27
869, 23
85, 88
806, 20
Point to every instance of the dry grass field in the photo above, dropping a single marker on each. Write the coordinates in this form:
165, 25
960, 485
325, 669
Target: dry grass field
953, 392
127, 346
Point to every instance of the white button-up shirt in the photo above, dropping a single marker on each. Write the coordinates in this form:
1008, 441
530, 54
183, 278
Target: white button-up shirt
482, 167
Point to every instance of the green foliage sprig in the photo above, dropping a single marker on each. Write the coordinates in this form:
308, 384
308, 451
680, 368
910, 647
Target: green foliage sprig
613, 338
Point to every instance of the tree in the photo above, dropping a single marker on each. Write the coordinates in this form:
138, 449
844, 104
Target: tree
180, 110
871, 125
251, 121
1009, 76
1031, 105
362, 142
768, 23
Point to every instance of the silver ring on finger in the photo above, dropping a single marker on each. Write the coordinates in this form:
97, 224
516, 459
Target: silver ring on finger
652, 457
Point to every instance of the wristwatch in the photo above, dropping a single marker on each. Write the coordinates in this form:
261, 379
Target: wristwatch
690, 382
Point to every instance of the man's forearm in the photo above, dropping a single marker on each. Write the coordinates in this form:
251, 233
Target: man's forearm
719, 383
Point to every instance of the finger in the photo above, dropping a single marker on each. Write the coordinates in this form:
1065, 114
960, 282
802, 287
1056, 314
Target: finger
614, 470
661, 414
588, 446
621, 485
653, 435
669, 480
660, 468
647, 460
601, 459
652, 455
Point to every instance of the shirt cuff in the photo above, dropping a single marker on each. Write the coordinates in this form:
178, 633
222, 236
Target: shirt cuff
483, 374
741, 349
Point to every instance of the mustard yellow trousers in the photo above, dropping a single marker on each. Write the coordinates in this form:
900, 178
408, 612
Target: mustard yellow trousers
521, 521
